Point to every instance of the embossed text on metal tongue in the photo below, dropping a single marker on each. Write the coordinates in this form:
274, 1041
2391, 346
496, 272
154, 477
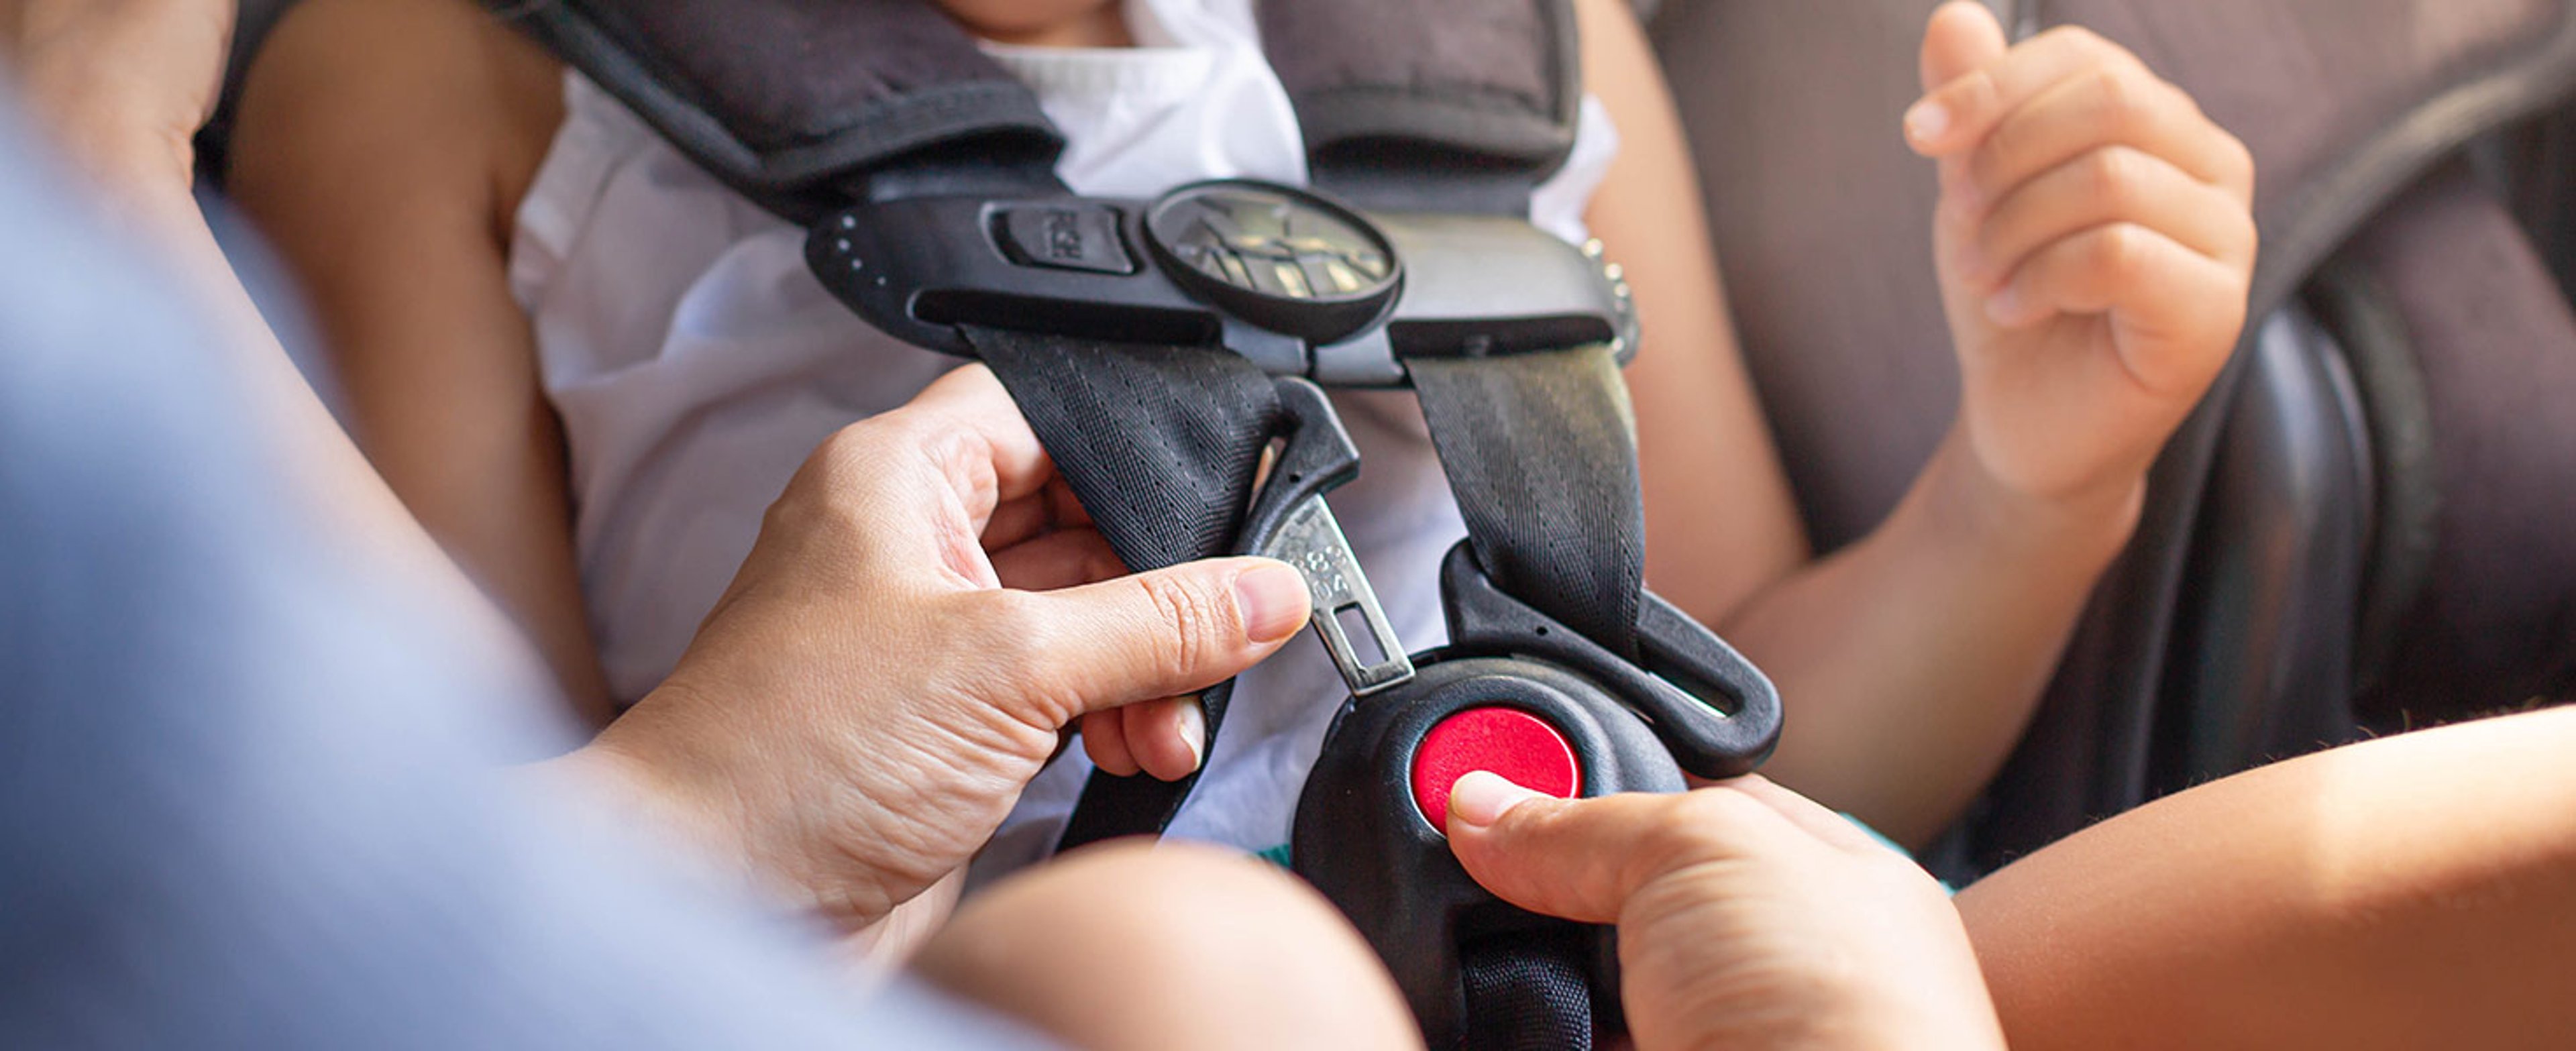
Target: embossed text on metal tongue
1311, 539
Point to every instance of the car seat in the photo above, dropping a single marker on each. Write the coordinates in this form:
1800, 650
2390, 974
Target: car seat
2368, 526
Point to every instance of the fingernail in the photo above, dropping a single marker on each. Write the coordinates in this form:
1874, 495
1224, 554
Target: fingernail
1483, 797
1273, 600
1925, 122
2005, 307
1190, 717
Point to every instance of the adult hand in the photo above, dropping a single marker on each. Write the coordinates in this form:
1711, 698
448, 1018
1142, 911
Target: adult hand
866, 702
1748, 916
124, 84
2095, 242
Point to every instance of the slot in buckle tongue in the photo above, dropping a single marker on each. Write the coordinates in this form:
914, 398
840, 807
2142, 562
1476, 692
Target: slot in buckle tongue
1291, 522
1311, 539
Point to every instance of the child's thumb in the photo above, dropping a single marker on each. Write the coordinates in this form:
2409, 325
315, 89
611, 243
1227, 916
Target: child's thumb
1963, 38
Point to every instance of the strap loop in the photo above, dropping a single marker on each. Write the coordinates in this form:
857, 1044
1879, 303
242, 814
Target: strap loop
1540, 452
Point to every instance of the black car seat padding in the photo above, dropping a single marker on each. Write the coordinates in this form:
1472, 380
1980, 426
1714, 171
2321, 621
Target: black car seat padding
1490, 90
793, 102
2483, 499
788, 100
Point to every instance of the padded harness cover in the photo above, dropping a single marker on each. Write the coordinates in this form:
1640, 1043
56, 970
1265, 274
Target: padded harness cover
793, 101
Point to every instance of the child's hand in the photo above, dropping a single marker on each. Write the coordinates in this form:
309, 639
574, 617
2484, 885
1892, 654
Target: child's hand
2095, 242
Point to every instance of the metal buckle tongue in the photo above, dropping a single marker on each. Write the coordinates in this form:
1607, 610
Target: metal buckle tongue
1291, 522
1312, 540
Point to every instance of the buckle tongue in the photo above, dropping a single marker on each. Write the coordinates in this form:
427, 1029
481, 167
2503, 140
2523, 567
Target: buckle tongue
1311, 539
1291, 522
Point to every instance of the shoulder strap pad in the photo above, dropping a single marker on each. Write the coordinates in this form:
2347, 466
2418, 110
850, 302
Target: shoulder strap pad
798, 103
1433, 105
1437, 105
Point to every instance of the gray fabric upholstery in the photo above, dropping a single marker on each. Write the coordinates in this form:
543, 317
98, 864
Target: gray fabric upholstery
2495, 349
1821, 219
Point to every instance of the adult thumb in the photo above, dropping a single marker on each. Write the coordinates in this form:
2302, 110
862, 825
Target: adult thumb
1573, 859
1167, 633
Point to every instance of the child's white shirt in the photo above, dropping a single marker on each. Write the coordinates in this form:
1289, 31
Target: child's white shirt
695, 364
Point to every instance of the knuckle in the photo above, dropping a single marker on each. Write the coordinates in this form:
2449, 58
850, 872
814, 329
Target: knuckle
1196, 621
2076, 39
2120, 101
2248, 236
2120, 252
2238, 160
2116, 177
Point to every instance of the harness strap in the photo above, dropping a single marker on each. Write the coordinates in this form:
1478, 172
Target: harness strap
1539, 454
1525, 994
1161, 445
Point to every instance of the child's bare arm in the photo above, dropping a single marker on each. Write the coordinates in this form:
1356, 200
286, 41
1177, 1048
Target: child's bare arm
383, 145
1911, 661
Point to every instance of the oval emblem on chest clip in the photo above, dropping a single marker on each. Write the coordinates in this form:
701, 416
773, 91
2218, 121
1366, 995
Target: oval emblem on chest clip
1286, 260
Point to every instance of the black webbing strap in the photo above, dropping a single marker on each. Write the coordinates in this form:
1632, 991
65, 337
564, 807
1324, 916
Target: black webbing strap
1161, 445
1539, 453
1525, 995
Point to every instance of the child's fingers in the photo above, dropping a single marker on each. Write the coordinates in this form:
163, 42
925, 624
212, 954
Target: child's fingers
1104, 739
1962, 38
2161, 297
2112, 185
1958, 113
1166, 737
2112, 105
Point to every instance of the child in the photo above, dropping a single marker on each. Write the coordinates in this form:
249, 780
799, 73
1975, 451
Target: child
588, 367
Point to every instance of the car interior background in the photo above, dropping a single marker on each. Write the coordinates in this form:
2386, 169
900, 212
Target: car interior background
2371, 524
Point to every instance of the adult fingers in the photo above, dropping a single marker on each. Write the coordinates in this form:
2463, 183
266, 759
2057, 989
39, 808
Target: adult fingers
1166, 737
2109, 104
1583, 859
1064, 559
1960, 112
1807, 814
1168, 633
2160, 295
1052, 507
2112, 185
996, 442
1104, 739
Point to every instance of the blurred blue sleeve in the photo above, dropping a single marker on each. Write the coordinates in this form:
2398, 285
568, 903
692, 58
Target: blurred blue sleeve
245, 784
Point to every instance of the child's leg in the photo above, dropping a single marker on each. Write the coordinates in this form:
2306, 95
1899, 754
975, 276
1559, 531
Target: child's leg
1170, 946
2418, 891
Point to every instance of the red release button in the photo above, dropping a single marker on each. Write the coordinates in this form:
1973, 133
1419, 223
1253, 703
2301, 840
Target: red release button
1506, 741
